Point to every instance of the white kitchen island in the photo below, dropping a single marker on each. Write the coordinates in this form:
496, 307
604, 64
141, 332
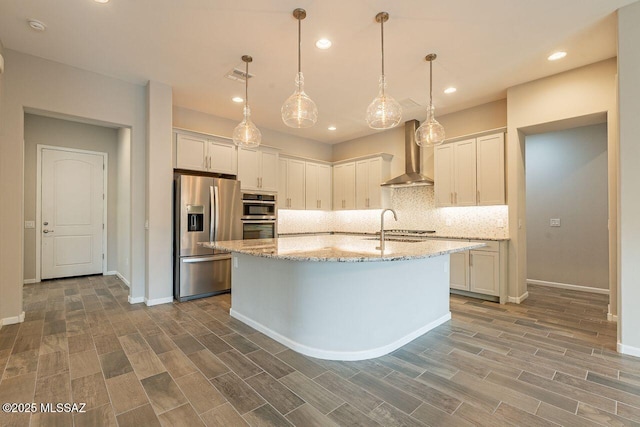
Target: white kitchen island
337, 297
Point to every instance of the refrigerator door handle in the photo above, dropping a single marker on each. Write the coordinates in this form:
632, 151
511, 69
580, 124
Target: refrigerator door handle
212, 214
215, 212
205, 259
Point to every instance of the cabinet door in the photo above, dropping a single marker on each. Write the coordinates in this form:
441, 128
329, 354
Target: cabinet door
490, 173
269, 171
283, 199
191, 153
222, 158
324, 187
295, 184
484, 272
344, 186
311, 186
465, 173
443, 175
459, 271
249, 168
362, 184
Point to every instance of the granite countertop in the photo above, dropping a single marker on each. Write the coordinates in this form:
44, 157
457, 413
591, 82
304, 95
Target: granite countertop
437, 235
341, 248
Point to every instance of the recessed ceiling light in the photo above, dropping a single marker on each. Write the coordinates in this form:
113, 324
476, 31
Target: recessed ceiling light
331, 128
557, 55
36, 25
450, 90
101, 1
323, 44
237, 99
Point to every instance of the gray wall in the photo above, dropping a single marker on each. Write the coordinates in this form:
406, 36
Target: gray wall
64, 133
124, 204
566, 178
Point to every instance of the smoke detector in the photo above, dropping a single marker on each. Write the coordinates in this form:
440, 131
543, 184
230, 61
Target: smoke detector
238, 75
36, 25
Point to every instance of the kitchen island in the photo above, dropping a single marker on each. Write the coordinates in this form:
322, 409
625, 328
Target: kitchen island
338, 297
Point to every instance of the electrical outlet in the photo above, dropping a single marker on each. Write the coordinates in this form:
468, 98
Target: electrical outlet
554, 222
500, 223
448, 222
29, 224
235, 262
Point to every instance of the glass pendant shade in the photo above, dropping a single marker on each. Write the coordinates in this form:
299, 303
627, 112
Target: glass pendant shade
299, 111
430, 132
384, 112
246, 134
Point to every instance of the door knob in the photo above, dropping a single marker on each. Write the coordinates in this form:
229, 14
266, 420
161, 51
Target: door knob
46, 223
47, 231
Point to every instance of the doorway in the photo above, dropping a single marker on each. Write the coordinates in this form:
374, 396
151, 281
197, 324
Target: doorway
567, 208
71, 212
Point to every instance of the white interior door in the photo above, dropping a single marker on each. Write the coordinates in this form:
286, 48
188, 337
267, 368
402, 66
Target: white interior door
72, 213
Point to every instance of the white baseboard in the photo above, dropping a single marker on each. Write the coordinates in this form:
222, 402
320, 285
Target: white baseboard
157, 301
626, 349
612, 317
518, 300
110, 273
13, 320
30, 281
340, 355
569, 286
125, 281
136, 300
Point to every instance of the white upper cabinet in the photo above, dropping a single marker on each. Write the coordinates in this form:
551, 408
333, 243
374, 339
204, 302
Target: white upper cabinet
291, 188
370, 173
205, 153
258, 169
490, 172
470, 172
344, 186
317, 186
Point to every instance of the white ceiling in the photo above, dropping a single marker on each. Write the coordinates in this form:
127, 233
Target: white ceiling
483, 48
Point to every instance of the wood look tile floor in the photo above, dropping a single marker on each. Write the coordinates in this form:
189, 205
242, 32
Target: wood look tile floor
548, 361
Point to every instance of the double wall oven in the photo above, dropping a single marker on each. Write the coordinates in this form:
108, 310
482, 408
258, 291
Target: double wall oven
259, 216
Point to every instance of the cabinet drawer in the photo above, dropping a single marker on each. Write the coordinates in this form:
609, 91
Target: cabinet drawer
492, 246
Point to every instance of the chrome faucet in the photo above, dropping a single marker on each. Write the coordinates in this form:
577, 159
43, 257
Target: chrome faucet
381, 247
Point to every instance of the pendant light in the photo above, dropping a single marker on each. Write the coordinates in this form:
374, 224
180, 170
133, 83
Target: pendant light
430, 133
299, 111
384, 112
246, 134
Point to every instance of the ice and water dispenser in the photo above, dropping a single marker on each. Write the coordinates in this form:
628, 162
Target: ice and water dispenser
195, 218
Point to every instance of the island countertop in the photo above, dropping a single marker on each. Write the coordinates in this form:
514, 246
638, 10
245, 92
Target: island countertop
341, 248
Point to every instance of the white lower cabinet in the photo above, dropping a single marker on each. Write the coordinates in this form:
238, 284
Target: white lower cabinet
481, 271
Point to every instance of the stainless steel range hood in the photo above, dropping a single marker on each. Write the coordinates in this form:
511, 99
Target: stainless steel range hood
411, 175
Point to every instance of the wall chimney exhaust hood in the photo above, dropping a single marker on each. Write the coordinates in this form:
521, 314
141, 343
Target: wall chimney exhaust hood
411, 175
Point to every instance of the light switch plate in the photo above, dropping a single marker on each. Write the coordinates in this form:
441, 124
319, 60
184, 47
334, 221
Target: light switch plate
29, 224
554, 222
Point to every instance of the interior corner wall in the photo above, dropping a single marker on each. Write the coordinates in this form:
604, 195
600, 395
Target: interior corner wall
629, 203
69, 134
36, 84
159, 285
580, 92
124, 204
288, 144
566, 178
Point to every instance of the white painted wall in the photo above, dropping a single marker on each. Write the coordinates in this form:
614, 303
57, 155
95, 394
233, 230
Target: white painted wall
124, 204
41, 85
65, 133
585, 91
566, 178
159, 288
289, 144
629, 219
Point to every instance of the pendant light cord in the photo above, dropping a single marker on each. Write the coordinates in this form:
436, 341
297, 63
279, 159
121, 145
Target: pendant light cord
299, 43
430, 82
246, 84
382, 42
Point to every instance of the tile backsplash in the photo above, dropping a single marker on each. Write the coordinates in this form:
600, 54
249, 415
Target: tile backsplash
416, 210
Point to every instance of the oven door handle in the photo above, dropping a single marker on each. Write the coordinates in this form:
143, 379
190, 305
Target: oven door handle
258, 202
258, 218
259, 221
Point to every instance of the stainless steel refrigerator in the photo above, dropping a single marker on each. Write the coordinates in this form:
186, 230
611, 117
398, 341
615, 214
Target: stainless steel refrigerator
205, 209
